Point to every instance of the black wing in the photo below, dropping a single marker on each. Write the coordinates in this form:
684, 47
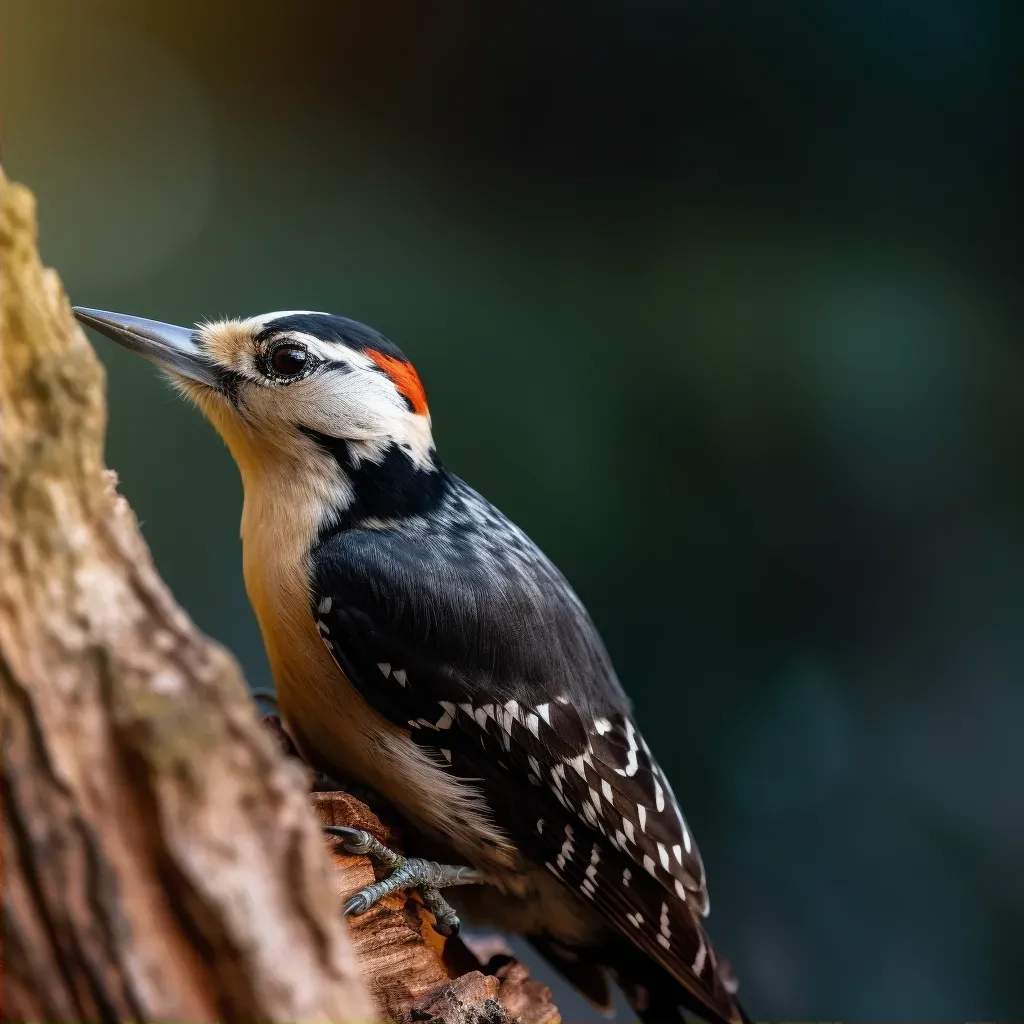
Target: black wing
462, 631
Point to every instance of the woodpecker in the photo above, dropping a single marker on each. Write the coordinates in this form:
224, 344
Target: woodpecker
422, 645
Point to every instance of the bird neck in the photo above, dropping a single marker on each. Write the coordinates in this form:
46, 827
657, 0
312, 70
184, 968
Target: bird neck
284, 509
386, 484
292, 504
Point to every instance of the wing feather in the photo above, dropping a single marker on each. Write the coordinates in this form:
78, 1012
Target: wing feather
506, 677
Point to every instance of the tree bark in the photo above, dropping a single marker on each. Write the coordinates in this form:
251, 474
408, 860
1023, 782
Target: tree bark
160, 857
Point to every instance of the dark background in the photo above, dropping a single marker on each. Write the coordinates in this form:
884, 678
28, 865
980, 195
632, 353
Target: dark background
720, 302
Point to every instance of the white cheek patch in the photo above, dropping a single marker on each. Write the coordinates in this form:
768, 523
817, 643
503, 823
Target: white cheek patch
419, 439
350, 406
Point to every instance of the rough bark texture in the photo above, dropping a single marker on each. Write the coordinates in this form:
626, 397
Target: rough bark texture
413, 973
161, 860
160, 857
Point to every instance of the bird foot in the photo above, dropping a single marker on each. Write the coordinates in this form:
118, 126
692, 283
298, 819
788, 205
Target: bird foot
404, 873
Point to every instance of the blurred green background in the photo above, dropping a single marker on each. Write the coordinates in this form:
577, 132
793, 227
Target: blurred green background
721, 302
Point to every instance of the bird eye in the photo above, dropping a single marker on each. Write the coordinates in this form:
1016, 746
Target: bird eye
288, 360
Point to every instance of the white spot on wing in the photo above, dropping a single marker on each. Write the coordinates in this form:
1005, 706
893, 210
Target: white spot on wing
544, 711
663, 855
557, 774
632, 764
659, 796
385, 667
677, 852
628, 826
641, 812
446, 754
607, 790
512, 707
681, 890
649, 865
602, 725
566, 852
324, 606
664, 932
400, 676
532, 723
504, 717
626, 876
702, 953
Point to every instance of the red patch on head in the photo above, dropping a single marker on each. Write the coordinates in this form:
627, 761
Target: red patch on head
405, 378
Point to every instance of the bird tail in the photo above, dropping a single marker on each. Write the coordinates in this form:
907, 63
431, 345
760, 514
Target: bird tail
654, 995
658, 998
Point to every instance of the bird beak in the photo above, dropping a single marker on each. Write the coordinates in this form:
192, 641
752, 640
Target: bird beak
170, 347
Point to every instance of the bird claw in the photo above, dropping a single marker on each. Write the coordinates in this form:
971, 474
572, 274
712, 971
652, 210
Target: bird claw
356, 905
356, 841
446, 920
428, 877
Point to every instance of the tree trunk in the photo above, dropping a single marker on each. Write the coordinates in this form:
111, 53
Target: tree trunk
160, 857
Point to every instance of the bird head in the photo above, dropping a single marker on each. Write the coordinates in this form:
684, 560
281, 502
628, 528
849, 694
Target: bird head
292, 390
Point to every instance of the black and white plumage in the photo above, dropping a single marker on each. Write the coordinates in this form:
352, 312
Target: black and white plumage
520, 747
457, 626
